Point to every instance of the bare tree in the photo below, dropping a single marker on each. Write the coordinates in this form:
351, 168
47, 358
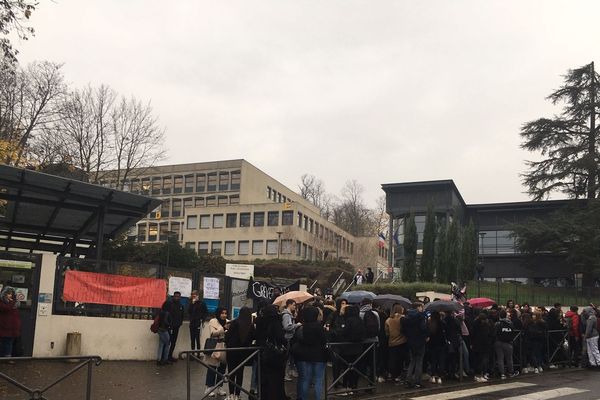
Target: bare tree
351, 213
13, 15
313, 189
380, 218
27, 99
137, 138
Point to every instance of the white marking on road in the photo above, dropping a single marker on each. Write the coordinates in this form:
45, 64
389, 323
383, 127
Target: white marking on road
547, 394
473, 392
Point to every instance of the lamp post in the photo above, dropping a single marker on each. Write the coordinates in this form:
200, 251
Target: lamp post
480, 266
278, 243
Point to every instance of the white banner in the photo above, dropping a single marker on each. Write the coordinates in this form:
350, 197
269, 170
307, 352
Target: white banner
241, 271
182, 285
211, 288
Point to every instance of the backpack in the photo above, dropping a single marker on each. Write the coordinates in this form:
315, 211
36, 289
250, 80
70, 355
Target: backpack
371, 324
155, 324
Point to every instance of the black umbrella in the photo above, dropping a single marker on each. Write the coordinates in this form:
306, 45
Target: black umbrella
356, 296
443, 306
388, 300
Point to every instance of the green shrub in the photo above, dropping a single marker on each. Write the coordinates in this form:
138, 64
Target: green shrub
406, 289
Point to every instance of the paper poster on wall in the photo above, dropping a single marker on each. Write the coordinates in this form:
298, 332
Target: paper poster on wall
182, 285
235, 312
211, 305
239, 296
211, 288
241, 271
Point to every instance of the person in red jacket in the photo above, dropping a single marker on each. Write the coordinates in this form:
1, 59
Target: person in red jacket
10, 322
573, 324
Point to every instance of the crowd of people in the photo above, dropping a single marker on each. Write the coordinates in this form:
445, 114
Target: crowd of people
399, 345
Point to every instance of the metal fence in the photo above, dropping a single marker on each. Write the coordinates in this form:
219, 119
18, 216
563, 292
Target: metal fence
39, 393
352, 365
225, 377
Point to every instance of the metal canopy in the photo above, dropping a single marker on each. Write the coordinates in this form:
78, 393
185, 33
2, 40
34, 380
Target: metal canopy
51, 213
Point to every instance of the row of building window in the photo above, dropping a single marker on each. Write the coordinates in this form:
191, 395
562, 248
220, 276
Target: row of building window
153, 232
321, 232
255, 248
215, 181
276, 196
173, 207
241, 220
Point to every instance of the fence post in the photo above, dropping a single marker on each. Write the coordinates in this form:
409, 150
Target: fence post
516, 292
498, 291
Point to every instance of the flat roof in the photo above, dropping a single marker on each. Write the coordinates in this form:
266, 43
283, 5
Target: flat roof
50, 213
443, 183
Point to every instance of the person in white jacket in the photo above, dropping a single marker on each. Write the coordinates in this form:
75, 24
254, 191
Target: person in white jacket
591, 336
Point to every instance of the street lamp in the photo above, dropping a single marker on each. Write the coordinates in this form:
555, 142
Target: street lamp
278, 243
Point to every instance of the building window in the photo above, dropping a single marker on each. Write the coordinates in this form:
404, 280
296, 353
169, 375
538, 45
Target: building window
152, 232
155, 213
273, 218
176, 229
163, 232
231, 221
204, 221
305, 223
223, 181
304, 250
212, 182
316, 229
141, 233
192, 222
287, 218
198, 201
218, 221
203, 248
167, 182
269, 192
286, 246
223, 200
176, 208
244, 220
274, 196
135, 186
299, 219
229, 248
243, 247
165, 208
279, 197
236, 177
257, 247
156, 183
190, 245
145, 189
311, 225
200, 183
259, 219
235, 199
211, 201
189, 183
272, 247
178, 185
298, 248
215, 248
310, 253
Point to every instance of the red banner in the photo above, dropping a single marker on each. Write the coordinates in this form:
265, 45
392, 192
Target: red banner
119, 290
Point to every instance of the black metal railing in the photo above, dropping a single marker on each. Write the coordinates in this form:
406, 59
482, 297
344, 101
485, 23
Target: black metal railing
38, 393
356, 365
225, 377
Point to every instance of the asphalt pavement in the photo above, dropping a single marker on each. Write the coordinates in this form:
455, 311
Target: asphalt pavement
125, 380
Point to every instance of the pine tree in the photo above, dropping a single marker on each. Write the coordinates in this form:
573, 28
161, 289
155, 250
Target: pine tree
441, 254
569, 142
427, 267
468, 261
409, 270
453, 250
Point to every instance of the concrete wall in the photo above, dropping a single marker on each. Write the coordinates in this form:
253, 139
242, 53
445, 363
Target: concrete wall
110, 338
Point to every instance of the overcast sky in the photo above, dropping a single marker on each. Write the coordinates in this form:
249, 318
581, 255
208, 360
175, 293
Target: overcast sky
377, 91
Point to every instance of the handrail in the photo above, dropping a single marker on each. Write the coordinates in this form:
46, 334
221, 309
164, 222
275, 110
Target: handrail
337, 280
39, 393
351, 282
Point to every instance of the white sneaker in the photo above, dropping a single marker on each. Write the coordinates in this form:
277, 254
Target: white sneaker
221, 392
536, 370
552, 366
502, 376
294, 373
486, 376
287, 378
432, 379
438, 380
541, 369
380, 379
212, 394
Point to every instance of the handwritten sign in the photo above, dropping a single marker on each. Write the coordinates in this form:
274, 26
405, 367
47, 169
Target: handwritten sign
181, 285
241, 271
265, 290
211, 288
90, 287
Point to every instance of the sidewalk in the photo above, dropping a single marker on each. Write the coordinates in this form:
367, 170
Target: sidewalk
125, 380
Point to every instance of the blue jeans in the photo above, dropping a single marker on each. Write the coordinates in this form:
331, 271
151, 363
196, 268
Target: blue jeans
6, 346
310, 372
164, 343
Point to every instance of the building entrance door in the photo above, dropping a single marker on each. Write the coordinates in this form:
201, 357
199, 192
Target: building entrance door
22, 272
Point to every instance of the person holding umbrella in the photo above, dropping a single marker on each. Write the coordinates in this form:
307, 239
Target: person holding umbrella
416, 337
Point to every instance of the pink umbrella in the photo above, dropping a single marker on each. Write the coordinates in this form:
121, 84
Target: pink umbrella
481, 302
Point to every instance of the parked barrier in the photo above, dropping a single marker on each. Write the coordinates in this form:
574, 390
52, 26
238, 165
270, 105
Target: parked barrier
352, 366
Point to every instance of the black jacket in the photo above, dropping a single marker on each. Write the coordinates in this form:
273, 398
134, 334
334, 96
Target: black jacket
310, 343
177, 311
198, 313
415, 329
482, 335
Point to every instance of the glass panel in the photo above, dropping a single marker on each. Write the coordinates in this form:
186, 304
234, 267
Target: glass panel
244, 220
192, 222
223, 200
167, 182
204, 221
203, 248
235, 180
273, 218
286, 246
287, 217
223, 180
188, 203
257, 247
272, 247
199, 202
189, 183
200, 183
243, 247
218, 221
229, 248
152, 232
231, 221
178, 185
176, 208
211, 201
156, 184
235, 199
142, 229
215, 248
259, 219
212, 182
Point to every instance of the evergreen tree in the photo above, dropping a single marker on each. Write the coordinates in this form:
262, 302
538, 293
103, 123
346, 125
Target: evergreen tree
453, 250
568, 143
469, 253
409, 270
441, 254
427, 267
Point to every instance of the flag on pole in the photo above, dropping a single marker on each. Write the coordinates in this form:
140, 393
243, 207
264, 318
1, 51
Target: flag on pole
381, 240
396, 238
